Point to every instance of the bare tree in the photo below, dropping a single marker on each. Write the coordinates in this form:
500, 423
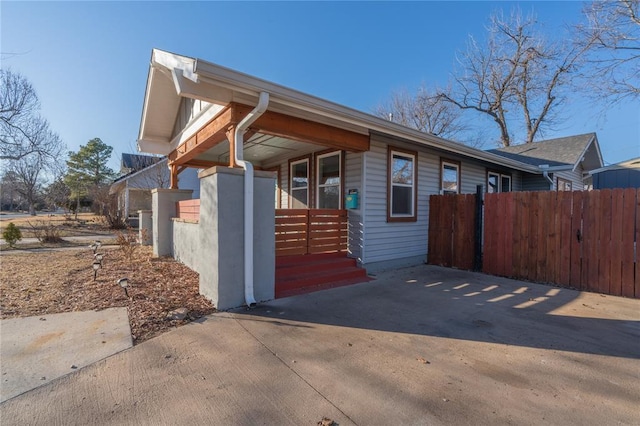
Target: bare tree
22, 130
613, 28
28, 172
425, 111
518, 79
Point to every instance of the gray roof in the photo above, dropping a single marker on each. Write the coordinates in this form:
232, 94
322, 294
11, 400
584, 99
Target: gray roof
566, 151
135, 162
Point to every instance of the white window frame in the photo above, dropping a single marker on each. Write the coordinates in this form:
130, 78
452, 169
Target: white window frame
444, 163
318, 171
291, 188
413, 158
500, 177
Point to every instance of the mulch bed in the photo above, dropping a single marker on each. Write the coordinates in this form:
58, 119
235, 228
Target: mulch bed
63, 281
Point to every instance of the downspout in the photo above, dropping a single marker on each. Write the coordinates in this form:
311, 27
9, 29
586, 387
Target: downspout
263, 102
545, 174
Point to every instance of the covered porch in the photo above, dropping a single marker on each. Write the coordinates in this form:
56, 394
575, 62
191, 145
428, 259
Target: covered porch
207, 122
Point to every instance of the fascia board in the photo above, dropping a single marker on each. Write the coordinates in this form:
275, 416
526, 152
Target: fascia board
249, 85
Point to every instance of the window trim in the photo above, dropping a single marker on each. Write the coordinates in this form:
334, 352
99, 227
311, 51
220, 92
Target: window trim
500, 177
458, 166
292, 162
564, 181
391, 150
318, 156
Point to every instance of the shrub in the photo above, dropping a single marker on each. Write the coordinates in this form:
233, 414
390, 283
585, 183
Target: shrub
46, 232
12, 234
128, 242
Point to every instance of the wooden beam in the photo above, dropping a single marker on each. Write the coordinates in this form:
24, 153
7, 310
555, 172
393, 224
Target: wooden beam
208, 136
173, 179
204, 164
303, 130
231, 137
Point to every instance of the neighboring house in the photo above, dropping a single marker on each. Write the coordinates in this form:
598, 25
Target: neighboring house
566, 162
625, 174
318, 152
142, 173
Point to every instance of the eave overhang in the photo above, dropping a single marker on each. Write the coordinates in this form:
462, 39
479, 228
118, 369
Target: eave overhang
199, 79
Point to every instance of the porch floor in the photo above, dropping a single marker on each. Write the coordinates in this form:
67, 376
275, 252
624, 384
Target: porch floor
312, 272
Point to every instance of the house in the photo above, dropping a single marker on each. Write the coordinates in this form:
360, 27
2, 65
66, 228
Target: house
269, 150
566, 162
625, 174
140, 174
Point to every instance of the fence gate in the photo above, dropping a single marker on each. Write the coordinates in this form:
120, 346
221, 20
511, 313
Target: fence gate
451, 230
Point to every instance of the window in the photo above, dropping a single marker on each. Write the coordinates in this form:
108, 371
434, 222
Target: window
564, 185
401, 185
497, 182
450, 177
299, 184
329, 194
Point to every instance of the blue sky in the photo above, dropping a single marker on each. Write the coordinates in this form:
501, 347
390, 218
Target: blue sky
88, 61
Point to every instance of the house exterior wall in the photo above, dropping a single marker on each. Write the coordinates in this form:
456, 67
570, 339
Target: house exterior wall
390, 244
534, 183
574, 176
617, 178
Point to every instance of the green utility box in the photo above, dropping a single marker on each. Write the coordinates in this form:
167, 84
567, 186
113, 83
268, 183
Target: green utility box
351, 200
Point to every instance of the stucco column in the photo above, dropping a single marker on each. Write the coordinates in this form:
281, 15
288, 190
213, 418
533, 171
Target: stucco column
145, 227
221, 267
163, 202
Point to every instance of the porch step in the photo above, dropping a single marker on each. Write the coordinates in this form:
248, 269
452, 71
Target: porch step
304, 274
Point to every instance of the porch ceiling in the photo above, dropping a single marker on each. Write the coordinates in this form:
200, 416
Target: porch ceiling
260, 149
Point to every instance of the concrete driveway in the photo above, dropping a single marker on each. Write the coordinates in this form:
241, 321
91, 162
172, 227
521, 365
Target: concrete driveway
423, 345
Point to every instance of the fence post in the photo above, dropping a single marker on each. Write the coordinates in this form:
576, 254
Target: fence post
477, 261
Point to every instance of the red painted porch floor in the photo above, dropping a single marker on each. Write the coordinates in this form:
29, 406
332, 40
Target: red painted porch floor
312, 272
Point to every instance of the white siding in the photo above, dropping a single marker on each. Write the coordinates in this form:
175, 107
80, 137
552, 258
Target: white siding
395, 240
353, 180
577, 184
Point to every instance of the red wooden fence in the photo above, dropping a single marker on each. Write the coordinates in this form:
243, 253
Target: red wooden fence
584, 240
451, 230
303, 231
188, 209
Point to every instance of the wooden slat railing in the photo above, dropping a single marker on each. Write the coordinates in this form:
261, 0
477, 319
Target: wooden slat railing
302, 231
188, 209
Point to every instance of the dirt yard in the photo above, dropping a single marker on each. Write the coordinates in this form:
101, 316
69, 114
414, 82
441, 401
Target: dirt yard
37, 283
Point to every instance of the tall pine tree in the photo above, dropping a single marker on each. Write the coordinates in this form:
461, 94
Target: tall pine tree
87, 169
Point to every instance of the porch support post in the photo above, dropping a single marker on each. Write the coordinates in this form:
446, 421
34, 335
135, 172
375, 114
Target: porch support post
163, 202
221, 266
173, 176
231, 137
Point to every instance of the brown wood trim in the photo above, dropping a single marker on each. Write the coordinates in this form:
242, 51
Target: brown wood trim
173, 176
310, 179
456, 162
342, 172
277, 124
208, 136
414, 217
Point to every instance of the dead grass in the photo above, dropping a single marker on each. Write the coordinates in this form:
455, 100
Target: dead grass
66, 225
62, 281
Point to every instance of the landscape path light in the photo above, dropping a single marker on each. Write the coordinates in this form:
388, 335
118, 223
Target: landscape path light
98, 257
96, 265
124, 283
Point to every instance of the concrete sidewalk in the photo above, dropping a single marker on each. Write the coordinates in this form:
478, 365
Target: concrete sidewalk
37, 350
423, 345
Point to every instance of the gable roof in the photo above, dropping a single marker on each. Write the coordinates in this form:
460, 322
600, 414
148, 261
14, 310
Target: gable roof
633, 163
135, 162
562, 152
173, 77
135, 172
